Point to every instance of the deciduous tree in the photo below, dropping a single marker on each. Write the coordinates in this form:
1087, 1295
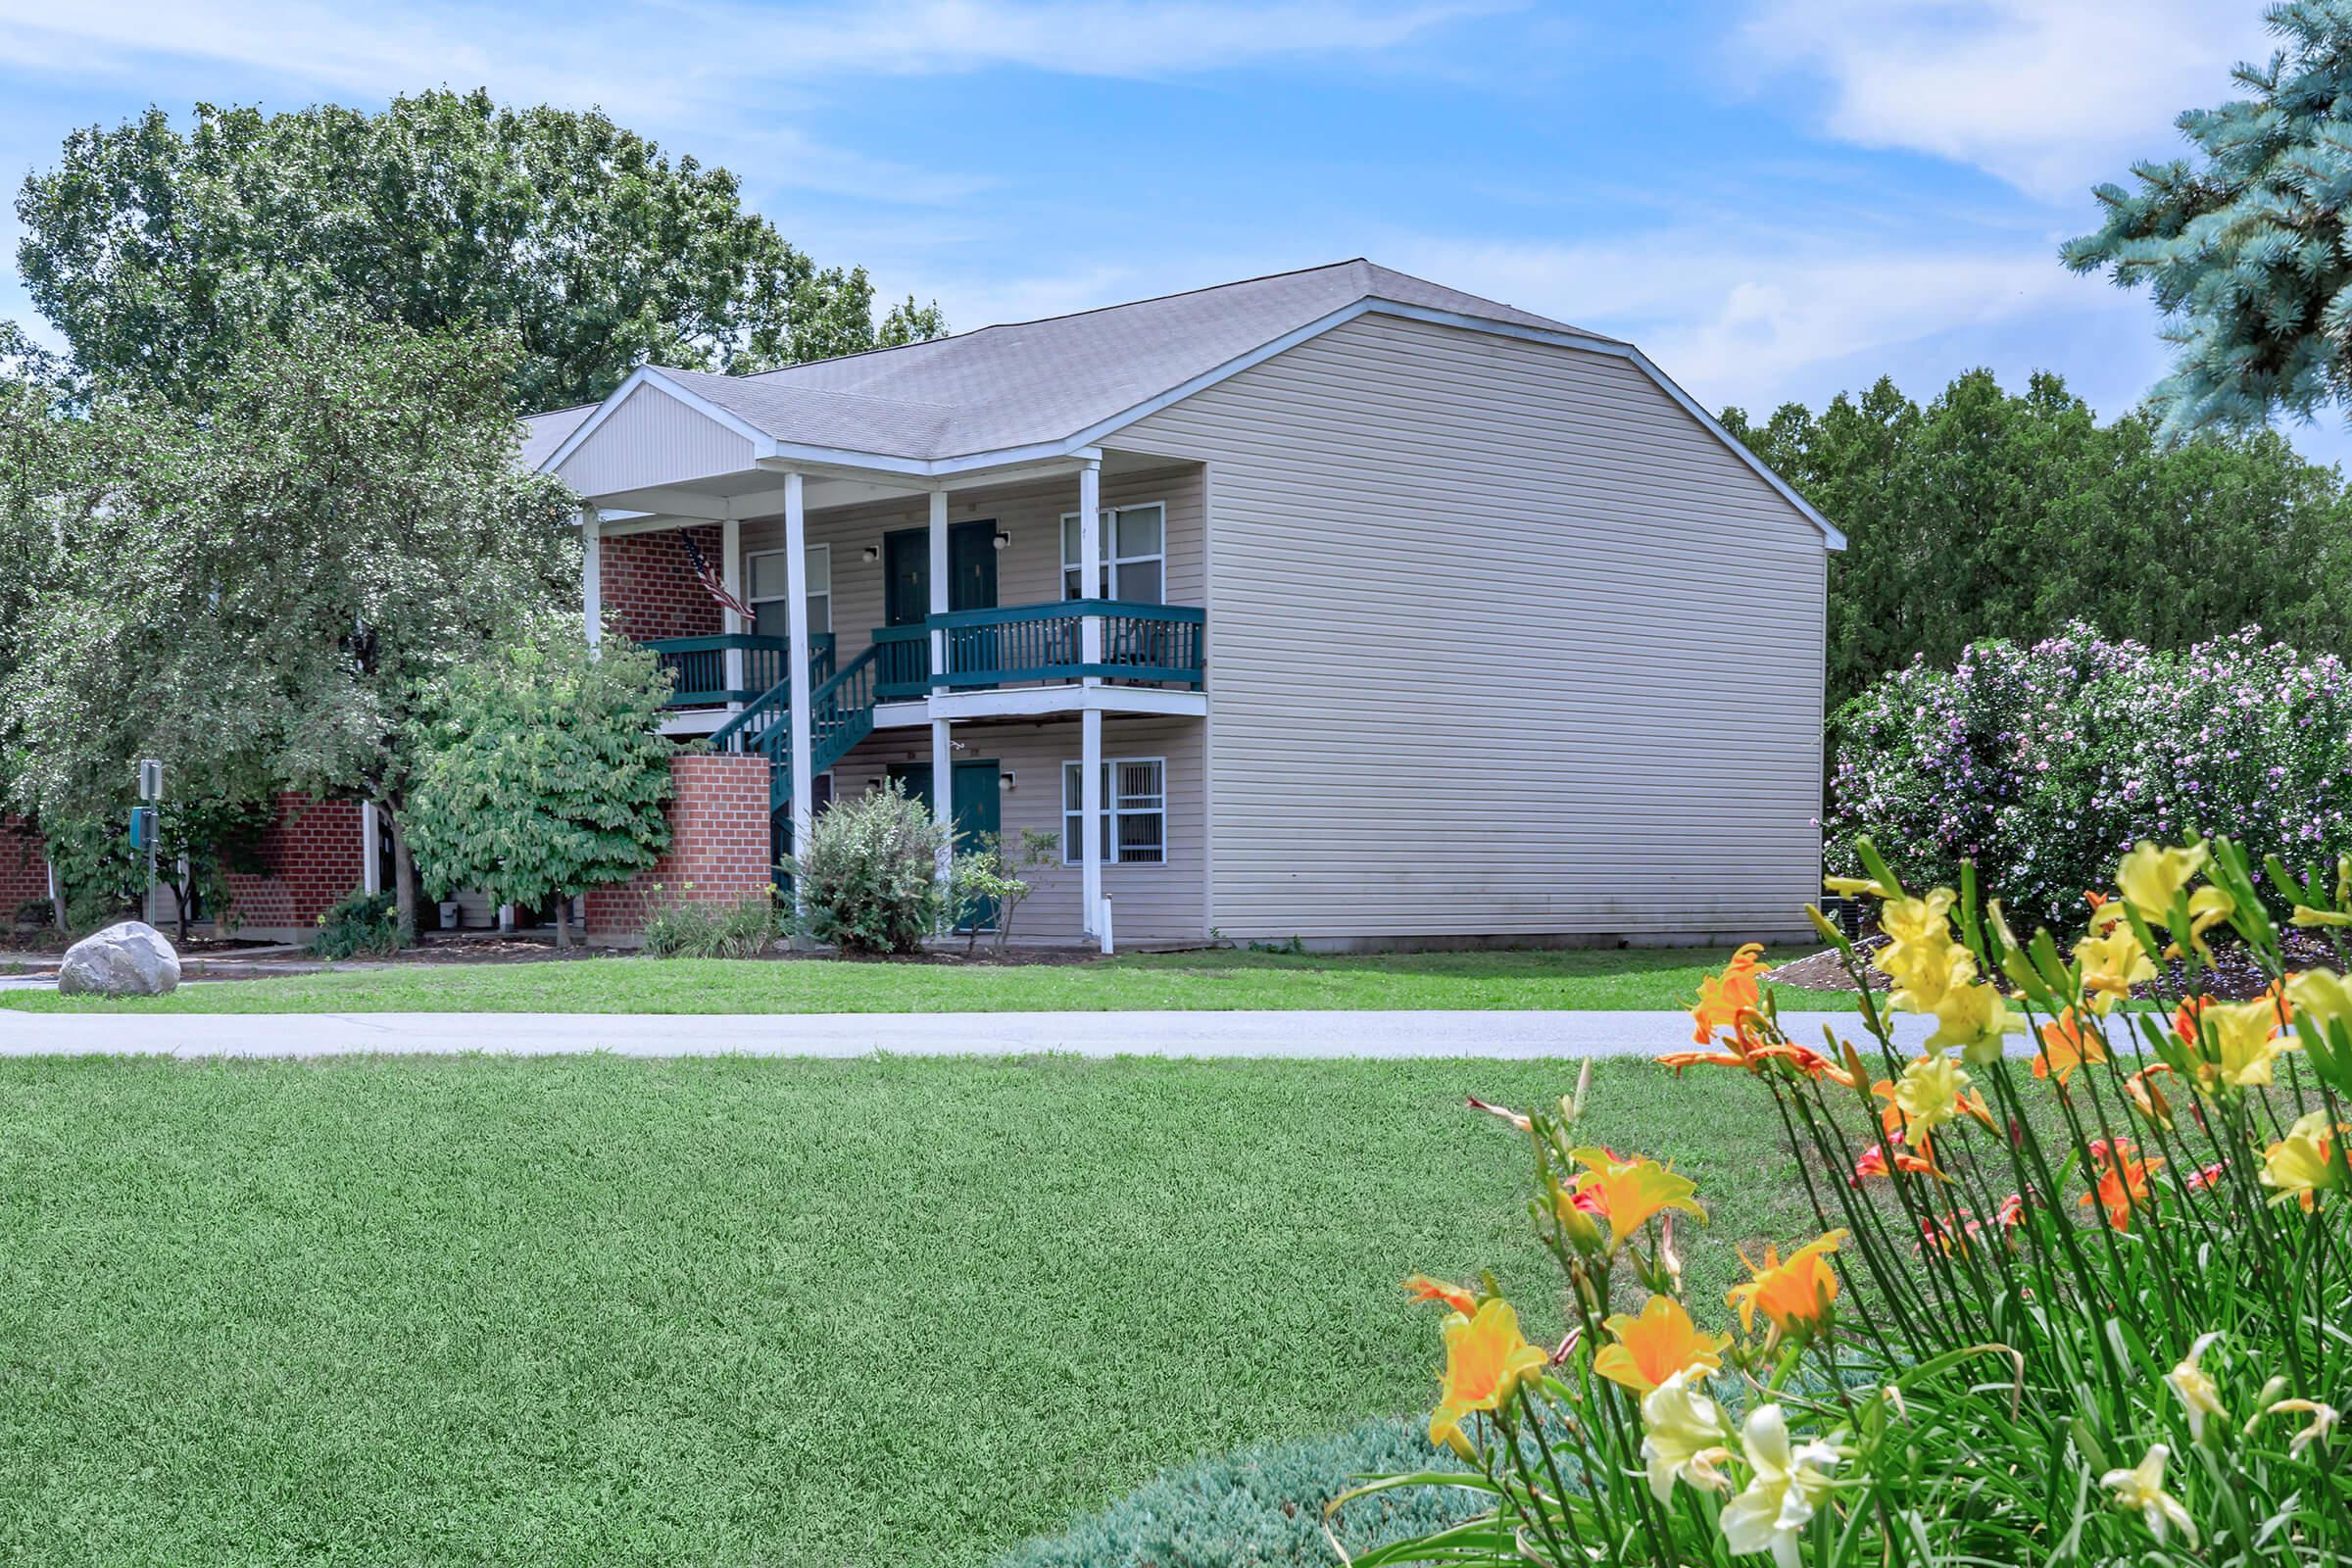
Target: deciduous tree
159, 254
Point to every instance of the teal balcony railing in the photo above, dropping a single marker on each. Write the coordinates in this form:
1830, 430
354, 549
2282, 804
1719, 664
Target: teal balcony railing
1154, 644
698, 665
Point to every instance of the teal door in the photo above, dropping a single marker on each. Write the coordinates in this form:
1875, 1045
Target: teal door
978, 809
906, 567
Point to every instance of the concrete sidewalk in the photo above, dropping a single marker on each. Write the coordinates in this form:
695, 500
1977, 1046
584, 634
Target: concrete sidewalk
912, 1034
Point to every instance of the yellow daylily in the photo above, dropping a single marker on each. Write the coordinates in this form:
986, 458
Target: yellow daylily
1784, 1489
1792, 1293
1930, 1092
2151, 877
2322, 993
2142, 1490
1929, 973
1973, 1017
1486, 1357
2113, 962
1643, 1352
2306, 916
2246, 1040
2301, 1166
1630, 1191
2199, 1394
1851, 887
1683, 1438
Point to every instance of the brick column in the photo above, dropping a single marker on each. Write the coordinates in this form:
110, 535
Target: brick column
718, 846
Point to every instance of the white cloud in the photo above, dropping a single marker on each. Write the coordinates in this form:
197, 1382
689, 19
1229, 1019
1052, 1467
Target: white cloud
2052, 96
1746, 319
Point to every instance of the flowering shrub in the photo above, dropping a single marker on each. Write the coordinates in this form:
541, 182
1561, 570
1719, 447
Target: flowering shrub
2085, 1312
2044, 763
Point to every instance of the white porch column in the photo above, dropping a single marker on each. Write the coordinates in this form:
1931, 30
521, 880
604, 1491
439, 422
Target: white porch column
1090, 816
939, 586
730, 570
592, 575
371, 868
943, 790
1090, 583
804, 771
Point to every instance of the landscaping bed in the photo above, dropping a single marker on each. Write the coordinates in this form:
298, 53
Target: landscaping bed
2233, 977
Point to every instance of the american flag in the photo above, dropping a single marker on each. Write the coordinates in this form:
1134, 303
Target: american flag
712, 583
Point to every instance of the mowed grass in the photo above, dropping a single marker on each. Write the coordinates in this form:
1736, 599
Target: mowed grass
1217, 979
602, 1311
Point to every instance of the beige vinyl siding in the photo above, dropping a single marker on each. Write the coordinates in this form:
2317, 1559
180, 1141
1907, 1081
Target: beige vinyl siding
1502, 642
653, 439
1148, 903
1028, 569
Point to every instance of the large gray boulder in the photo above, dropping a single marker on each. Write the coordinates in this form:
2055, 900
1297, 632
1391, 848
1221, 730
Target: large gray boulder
130, 960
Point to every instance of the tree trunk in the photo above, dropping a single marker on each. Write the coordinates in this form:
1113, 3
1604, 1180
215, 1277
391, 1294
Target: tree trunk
403, 878
563, 921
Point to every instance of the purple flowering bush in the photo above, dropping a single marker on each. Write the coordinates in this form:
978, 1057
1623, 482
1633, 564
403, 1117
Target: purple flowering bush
2044, 763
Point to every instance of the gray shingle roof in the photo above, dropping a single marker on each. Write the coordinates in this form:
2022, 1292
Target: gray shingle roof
1031, 383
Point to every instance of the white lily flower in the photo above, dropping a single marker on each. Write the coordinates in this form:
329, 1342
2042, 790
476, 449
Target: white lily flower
2142, 1488
1783, 1491
2198, 1392
1683, 1438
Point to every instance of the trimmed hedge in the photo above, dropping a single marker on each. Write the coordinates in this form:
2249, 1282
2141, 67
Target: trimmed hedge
1263, 1507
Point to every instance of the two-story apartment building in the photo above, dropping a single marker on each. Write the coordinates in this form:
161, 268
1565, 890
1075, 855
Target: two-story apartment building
1337, 604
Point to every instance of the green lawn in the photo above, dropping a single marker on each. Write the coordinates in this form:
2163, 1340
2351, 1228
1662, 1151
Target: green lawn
1577, 978
614, 1312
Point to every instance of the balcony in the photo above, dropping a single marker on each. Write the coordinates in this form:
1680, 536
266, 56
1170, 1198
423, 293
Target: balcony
1143, 644
698, 666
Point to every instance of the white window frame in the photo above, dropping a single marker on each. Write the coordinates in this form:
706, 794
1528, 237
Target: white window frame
1073, 816
1109, 531
819, 566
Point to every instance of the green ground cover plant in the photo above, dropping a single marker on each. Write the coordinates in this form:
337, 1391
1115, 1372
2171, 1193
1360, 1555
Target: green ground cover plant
800, 1314
1641, 978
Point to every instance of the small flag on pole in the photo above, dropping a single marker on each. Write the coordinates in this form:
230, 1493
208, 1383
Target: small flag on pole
712, 583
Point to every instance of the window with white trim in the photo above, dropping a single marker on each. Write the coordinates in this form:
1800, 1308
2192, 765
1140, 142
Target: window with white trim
1134, 544
1134, 810
769, 594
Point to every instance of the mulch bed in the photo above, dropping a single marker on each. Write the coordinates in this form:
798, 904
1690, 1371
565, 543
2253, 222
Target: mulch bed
2233, 977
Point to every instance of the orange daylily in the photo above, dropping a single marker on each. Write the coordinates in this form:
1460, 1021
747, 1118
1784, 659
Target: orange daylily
1793, 1292
2188, 1017
1723, 998
1752, 1053
2123, 1182
1629, 1191
2067, 1043
1486, 1357
2147, 1096
2012, 1212
1644, 1352
1424, 1289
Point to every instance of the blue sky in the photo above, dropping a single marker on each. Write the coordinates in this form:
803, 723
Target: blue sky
1776, 198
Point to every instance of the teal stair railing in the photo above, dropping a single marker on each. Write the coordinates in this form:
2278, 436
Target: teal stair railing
902, 662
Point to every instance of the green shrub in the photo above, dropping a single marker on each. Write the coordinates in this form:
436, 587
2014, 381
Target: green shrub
687, 929
868, 878
1261, 1507
362, 924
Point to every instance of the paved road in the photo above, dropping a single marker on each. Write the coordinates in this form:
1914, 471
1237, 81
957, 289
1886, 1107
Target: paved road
858, 1034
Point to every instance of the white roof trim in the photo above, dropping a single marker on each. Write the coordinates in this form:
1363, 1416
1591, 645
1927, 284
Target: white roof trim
768, 452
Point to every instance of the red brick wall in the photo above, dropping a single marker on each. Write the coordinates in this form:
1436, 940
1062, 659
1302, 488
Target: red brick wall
718, 819
650, 591
23, 873
313, 858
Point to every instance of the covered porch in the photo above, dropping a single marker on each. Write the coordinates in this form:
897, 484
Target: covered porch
862, 600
